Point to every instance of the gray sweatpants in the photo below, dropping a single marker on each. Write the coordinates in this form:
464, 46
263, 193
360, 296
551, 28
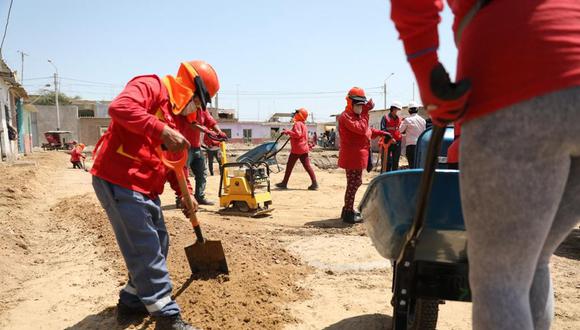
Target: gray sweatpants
520, 191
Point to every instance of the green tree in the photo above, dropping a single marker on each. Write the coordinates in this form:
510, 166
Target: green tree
47, 98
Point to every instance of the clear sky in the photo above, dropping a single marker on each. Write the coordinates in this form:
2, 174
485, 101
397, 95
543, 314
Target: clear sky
271, 55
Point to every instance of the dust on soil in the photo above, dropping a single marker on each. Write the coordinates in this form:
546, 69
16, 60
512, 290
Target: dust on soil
302, 268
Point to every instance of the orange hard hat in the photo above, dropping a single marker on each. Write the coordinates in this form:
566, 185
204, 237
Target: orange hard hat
356, 95
194, 78
301, 114
203, 70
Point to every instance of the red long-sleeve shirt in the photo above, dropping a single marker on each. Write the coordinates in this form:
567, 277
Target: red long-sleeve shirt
355, 135
193, 134
510, 51
298, 138
75, 155
126, 154
210, 143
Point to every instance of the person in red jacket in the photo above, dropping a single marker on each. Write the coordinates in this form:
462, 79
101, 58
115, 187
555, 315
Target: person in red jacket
355, 135
213, 150
75, 156
128, 177
516, 96
391, 122
299, 149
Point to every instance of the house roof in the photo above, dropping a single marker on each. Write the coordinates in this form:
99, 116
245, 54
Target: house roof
8, 76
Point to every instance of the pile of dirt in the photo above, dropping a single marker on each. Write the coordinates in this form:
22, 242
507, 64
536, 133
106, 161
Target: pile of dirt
263, 275
14, 186
18, 191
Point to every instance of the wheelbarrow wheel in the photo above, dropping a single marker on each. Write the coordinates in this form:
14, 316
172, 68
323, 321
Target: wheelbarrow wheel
423, 314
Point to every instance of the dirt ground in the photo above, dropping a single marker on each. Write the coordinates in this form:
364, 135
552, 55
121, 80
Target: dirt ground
299, 269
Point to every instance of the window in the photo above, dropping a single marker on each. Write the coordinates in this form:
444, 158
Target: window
247, 135
274, 132
228, 132
86, 113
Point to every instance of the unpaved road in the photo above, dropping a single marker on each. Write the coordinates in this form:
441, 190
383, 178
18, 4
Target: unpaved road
299, 269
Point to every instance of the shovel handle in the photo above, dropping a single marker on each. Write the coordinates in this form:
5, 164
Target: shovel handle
177, 167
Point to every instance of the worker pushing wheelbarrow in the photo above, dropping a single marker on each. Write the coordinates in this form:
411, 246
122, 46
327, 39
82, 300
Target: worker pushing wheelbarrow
519, 162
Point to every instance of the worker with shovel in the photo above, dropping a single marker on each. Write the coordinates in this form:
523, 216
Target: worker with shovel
128, 177
76, 155
516, 95
353, 156
299, 149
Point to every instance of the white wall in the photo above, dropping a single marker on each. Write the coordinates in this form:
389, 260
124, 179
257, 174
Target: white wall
5, 144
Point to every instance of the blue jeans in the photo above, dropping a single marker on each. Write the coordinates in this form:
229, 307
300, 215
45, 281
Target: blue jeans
196, 162
143, 240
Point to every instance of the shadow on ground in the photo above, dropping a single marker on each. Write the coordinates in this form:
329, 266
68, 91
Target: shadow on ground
570, 248
107, 318
328, 223
367, 322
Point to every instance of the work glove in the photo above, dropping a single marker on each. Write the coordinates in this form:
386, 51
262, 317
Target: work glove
445, 101
185, 210
285, 132
369, 105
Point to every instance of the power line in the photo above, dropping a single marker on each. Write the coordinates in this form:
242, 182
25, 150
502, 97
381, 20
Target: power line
91, 82
6, 27
276, 93
38, 78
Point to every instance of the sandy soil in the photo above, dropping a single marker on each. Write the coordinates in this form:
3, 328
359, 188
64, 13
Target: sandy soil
299, 269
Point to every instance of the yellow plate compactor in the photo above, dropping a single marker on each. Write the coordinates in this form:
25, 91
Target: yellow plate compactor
244, 187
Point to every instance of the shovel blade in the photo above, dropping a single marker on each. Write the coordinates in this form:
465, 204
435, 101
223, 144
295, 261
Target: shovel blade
206, 257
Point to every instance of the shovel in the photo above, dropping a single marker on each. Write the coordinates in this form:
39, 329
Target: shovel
84, 167
204, 255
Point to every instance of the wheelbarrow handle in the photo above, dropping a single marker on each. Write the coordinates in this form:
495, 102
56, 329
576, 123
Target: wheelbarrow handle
211, 134
177, 167
427, 177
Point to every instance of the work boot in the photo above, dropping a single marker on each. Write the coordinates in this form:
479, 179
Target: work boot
351, 217
127, 315
203, 201
173, 322
313, 186
281, 185
178, 204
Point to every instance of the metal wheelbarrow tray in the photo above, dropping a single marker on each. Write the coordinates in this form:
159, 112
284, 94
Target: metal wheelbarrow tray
388, 207
438, 270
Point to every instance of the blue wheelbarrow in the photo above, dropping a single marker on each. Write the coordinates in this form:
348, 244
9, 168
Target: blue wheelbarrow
265, 152
414, 218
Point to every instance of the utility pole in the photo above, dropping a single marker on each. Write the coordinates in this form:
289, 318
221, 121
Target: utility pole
238, 99
385, 89
22, 54
56, 95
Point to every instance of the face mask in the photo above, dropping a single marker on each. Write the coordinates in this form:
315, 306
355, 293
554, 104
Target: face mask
189, 108
357, 108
